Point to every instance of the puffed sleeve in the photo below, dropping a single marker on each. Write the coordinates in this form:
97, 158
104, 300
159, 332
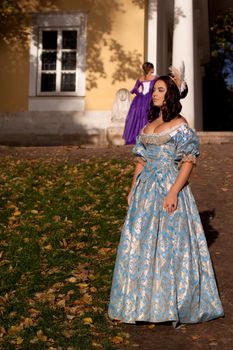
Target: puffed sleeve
136, 87
187, 146
139, 151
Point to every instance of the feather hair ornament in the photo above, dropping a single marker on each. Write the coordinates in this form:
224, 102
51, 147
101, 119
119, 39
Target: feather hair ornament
177, 76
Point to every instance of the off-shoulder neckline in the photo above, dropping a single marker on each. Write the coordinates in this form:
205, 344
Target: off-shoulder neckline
175, 127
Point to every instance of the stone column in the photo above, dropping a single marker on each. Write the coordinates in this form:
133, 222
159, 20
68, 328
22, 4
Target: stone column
151, 44
183, 50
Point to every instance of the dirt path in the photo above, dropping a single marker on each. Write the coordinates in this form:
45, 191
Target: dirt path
66, 152
211, 182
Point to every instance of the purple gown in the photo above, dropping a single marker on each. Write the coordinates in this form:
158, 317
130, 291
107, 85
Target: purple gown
137, 115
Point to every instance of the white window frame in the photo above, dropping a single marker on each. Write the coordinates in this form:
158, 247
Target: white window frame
58, 71
57, 100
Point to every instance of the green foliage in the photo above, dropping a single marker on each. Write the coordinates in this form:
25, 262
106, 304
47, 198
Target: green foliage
15, 18
218, 92
59, 229
222, 44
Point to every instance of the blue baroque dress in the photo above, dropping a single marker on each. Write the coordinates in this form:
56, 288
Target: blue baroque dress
163, 270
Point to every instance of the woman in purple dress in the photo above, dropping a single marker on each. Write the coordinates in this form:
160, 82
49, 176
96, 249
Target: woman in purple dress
137, 115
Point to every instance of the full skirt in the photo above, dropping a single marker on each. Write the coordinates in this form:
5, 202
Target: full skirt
163, 270
136, 118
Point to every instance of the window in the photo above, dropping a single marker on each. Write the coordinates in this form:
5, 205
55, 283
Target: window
58, 58
57, 62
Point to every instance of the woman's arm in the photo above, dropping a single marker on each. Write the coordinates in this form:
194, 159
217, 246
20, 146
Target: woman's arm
135, 88
138, 169
171, 200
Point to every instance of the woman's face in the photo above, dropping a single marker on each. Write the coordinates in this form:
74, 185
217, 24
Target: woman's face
151, 71
159, 91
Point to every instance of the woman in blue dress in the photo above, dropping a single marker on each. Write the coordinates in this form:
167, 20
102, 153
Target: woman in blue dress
163, 270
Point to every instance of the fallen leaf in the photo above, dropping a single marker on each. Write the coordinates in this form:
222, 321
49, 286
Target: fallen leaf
50, 297
92, 277
104, 251
13, 330
61, 303
2, 332
87, 320
211, 338
19, 340
64, 243
80, 245
34, 211
70, 317
117, 340
196, 337
34, 312
87, 298
82, 285
72, 279
41, 336
151, 326
27, 322
48, 247
11, 206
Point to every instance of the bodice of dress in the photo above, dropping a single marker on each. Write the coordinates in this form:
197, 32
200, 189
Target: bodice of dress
146, 87
166, 150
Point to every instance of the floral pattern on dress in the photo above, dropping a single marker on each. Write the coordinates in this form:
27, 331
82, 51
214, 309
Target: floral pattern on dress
163, 270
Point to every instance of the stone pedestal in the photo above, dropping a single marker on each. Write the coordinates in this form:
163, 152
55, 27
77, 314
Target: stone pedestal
114, 135
120, 110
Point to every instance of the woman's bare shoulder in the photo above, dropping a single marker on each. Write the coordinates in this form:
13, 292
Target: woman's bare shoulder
180, 120
142, 78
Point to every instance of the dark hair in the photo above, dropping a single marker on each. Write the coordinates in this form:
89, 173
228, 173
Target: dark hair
147, 66
172, 106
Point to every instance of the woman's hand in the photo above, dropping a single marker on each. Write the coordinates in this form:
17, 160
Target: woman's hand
170, 202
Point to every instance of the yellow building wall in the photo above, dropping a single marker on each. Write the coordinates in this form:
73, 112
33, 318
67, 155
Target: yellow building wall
14, 76
114, 28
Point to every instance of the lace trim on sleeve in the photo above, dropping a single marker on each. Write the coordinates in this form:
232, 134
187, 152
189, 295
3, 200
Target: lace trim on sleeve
188, 158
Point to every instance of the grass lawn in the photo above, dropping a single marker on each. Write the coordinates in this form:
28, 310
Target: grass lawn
59, 228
